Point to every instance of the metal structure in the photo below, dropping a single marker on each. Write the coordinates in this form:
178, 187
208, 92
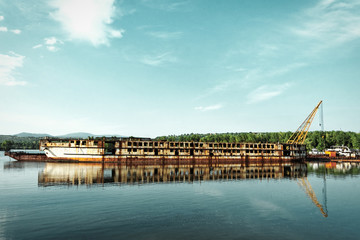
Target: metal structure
299, 136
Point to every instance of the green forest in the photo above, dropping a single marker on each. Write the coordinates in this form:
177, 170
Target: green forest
317, 139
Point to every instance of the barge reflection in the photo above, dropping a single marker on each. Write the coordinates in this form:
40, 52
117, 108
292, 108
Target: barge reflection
81, 173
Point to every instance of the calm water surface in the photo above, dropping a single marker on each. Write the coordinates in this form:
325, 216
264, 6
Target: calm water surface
92, 201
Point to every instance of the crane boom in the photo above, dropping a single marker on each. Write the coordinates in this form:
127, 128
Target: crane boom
299, 136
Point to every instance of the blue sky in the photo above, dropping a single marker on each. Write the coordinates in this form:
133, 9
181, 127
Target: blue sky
150, 68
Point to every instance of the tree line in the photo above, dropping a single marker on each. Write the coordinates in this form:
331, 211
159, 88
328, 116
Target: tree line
316, 139
8, 142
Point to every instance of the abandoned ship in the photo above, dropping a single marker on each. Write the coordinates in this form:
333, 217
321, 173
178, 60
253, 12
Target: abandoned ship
149, 151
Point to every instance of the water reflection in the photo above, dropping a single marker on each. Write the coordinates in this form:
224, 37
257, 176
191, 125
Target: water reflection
335, 169
76, 174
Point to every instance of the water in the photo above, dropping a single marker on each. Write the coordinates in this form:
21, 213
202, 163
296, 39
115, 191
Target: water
92, 201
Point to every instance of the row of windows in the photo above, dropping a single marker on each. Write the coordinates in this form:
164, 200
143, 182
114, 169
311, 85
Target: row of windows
182, 144
77, 142
201, 151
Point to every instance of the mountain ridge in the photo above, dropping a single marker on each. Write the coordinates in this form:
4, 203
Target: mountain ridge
69, 135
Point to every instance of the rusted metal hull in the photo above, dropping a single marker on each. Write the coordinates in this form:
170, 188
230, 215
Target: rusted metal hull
152, 151
327, 158
147, 150
150, 160
23, 156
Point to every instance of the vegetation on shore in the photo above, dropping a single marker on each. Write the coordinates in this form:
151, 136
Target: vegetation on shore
317, 139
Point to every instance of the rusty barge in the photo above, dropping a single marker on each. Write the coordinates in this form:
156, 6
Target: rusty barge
124, 150
150, 151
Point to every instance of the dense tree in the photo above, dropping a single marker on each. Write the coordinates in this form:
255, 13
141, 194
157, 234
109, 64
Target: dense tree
317, 139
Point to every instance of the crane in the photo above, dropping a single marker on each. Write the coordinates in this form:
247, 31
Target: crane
299, 136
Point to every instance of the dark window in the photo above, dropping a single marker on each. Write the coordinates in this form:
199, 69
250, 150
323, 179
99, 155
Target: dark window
140, 144
129, 143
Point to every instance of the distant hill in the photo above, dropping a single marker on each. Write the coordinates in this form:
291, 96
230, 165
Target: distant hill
70, 135
26, 134
77, 135
86, 135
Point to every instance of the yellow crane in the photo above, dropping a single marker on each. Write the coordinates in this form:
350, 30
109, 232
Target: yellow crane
299, 136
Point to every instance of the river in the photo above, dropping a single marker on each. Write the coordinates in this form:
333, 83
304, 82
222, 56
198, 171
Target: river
252, 201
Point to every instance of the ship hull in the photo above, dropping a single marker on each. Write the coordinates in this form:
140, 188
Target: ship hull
152, 151
149, 159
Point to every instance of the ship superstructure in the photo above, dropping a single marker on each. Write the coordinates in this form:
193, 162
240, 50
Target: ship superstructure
136, 148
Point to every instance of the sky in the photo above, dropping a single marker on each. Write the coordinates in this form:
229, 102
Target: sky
159, 67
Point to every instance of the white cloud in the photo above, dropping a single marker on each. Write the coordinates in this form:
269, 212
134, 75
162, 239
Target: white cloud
158, 59
87, 20
165, 35
1, 18
266, 92
166, 5
51, 44
117, 33
8, 65
37, 46
16, 31
209, 108
50, 41
3, 29
330, 22
52, 48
